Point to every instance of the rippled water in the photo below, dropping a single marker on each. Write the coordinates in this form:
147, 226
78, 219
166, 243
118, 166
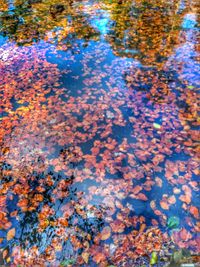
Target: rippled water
99, 132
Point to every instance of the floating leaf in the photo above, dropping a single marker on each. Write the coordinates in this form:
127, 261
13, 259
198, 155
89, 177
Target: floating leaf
156, 125
99, 257
154, 258
85, 256
11, 234
105, 234
194, 211
164, 205
172, 200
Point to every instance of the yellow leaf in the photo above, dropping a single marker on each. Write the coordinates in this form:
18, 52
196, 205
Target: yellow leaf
156, 125
85, 256
105, 234
11, 234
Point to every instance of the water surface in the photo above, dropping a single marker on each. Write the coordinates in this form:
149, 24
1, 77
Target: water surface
100, 131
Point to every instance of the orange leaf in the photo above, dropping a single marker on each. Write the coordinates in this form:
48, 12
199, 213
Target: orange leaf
11, 234
22, 203
142, 227
185, 235
142, 196
164, 205
158, 212
185, 198
194, 211
176, 190
14, 213
136, 189
187, 190
171, 200
2, 201
38, 197
99, 257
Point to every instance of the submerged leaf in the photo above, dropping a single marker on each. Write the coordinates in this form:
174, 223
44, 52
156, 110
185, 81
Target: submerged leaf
173, 222
177, 256
68, 262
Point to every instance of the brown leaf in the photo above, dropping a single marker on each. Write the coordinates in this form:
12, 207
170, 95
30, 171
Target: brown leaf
5, 253
142, 227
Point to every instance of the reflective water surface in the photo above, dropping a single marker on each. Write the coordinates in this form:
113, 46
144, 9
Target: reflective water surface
99, 156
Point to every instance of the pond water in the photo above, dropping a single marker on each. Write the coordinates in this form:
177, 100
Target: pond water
99, 159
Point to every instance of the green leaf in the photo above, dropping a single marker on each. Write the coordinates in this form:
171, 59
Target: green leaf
156, 125
68, 262
190, 87
154, 258
173, 222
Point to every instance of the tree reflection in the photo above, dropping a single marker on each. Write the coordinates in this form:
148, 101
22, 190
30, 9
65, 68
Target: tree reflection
55, 21
145, 30
52, 217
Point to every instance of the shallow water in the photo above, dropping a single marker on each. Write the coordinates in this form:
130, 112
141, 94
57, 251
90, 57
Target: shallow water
100, 131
